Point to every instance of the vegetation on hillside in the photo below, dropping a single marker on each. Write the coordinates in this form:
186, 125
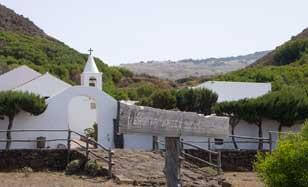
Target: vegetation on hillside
288, 164
44, 55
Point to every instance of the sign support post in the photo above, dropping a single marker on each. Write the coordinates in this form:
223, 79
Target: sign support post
171, 125
172, 161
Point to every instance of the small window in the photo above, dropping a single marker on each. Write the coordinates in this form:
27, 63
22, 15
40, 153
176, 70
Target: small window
93, 105
92, 84
219, 141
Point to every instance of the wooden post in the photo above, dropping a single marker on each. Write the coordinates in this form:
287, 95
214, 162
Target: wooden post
270, 141
182, 146
219, 163
155, 143
209, 143
172, 161
110, 163
209, 148
87, 147
68, 145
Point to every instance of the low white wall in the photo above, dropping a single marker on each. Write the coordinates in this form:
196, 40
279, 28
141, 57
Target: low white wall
138, 141
144, 142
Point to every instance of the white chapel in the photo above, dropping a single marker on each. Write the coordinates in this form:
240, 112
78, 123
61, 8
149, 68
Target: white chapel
73, 107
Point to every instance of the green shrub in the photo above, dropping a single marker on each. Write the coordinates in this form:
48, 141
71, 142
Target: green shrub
92, 168
288, 164
199, 100
91, 132
74, 167
163, 99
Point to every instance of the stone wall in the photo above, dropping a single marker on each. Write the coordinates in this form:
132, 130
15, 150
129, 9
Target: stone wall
232, 160
53, 159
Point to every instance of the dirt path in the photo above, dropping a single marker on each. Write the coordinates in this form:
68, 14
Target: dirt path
146, 168
59, 179
51, 179
243, 179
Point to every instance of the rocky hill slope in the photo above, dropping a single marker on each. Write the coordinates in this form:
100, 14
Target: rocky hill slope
10, 21
175, 70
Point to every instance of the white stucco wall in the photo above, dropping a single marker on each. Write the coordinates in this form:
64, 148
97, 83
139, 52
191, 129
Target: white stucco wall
138, 141
56, 116
232, 91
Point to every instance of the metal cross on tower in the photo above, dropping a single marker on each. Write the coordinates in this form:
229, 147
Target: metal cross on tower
90, 50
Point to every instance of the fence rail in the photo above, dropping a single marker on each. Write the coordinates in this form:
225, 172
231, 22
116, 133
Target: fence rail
184, 154
244, 139
216, 165
69, 140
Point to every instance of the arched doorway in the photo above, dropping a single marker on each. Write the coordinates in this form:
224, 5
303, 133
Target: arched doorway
82, 115
105, 105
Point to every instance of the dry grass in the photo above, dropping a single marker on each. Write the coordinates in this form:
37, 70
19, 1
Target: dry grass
51, 179
243, 179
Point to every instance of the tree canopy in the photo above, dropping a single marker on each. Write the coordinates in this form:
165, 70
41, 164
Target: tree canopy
286, 106
199, 100
13, 102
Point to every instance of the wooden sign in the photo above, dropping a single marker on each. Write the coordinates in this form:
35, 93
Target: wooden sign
157, 122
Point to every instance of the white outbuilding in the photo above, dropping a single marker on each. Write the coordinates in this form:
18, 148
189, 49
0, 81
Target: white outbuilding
232, 91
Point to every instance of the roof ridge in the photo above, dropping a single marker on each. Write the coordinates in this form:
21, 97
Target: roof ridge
27, 81
56, 78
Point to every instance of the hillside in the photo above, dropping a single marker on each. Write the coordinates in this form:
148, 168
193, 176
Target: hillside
10, 21
286, 66
175, 70
23, 43
269, 59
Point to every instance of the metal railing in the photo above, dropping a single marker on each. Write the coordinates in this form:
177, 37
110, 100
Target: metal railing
69, 140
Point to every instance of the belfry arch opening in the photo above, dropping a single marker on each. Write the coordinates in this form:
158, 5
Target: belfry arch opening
92, 81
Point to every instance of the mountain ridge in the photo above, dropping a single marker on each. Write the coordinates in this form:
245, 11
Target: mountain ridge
185, 68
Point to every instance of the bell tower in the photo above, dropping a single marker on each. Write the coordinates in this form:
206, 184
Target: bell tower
90, 75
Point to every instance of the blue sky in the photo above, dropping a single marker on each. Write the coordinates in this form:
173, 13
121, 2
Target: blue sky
126, 31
